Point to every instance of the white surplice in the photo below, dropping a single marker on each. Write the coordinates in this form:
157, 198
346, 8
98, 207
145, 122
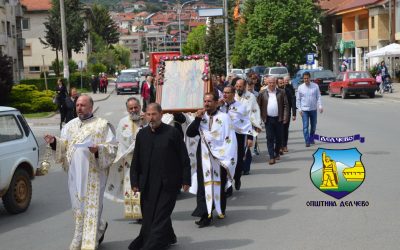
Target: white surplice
219, 149
118, 183
87, 175
239, 116
250, 102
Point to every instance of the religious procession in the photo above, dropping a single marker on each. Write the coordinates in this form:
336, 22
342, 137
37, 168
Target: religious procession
195, 135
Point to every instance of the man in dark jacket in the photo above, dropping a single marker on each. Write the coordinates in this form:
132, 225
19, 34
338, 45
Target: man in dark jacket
160, 167
274, 113
291, 97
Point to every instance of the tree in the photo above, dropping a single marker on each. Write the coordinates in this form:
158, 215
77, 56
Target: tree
102, 23
195, 43
76, 33
6, 78
280, 31
215, 48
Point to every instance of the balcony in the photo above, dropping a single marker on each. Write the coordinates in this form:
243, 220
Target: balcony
349, 36
362, 34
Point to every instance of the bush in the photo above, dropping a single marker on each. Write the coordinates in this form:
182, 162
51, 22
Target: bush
40, 83
97, 68
28, 99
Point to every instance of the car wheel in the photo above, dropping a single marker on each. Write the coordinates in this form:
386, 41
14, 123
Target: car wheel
357, 95
117, 93
371, 95
19, 194
343, 94
331, 94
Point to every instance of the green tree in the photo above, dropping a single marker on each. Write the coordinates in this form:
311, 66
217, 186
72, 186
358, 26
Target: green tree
76, 33
6, 78
280, 31
196, 41
215, 48
102, 23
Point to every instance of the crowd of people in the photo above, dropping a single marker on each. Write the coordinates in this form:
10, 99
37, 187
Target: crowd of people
205, 153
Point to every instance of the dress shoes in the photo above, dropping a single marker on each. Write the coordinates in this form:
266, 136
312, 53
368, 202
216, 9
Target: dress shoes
285, 149
203, 222
104, 232
246, 172
281, 151
277, 158
238, 184
307, 145
271, 162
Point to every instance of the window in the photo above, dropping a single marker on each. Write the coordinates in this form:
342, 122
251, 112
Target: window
27, 50
372, 22
397, 16
13, 30
3, 27
9, 129
8, 29
34, 69
26, 23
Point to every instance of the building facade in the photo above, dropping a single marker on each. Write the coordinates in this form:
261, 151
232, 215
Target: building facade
37, 57
11, 41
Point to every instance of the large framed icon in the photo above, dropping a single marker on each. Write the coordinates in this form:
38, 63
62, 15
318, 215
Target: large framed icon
182, 82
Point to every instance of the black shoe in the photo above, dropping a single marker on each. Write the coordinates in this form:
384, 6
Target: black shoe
246, 172
238, 184
308, 145
102, 237
173, 240
205, 222
229, 192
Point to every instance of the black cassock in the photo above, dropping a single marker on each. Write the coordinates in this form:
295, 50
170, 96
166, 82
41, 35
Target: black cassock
160, 166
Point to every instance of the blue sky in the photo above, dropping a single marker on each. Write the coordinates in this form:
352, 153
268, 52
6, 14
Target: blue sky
346, 156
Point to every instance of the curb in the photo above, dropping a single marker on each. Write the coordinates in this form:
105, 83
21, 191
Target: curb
55, 113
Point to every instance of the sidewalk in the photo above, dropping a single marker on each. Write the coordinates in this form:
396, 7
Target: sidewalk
55, 119
395, 94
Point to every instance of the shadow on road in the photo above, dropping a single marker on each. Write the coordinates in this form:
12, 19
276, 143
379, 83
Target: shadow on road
51, 202
210, 244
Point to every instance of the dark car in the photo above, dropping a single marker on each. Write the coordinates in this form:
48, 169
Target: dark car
321, 77
127, 83
353, 82
259, 70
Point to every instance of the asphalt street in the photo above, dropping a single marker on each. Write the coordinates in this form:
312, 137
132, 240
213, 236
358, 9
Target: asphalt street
270, 210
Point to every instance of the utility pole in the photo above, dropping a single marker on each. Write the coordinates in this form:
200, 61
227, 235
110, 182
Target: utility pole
226, 35
64, 42
44, 73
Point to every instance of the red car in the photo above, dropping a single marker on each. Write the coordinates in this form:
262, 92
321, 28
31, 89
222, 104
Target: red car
127, 83
353, 83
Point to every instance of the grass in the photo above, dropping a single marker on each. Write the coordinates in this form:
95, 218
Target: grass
38, 115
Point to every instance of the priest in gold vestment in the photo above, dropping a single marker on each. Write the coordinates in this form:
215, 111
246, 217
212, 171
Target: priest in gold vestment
86, 149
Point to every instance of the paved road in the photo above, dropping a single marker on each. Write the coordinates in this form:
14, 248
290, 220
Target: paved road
270, 211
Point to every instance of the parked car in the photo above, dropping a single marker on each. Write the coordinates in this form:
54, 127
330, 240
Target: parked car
238, 72
127, 82
353, 82
19, 156
144, 71
259, 70
321, 77
276, 71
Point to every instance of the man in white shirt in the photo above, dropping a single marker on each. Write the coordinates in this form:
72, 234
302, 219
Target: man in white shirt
274, 113
308, 100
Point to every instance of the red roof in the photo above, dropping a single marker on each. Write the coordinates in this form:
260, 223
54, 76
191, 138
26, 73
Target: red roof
35, 5
336, 6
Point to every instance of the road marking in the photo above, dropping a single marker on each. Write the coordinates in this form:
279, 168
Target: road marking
108, 113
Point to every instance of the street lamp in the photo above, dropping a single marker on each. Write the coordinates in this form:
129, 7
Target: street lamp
179, 10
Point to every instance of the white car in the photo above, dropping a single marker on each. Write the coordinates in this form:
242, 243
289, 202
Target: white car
238, 72
19, 156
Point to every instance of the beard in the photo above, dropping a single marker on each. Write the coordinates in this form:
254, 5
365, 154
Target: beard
135, 116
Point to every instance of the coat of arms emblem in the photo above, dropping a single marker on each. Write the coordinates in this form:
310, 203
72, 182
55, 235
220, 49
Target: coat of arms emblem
337, 172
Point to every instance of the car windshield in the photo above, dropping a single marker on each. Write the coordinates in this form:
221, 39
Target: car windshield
280, 71
355, 75
259, 70
127, 77
323, 74
237, 71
